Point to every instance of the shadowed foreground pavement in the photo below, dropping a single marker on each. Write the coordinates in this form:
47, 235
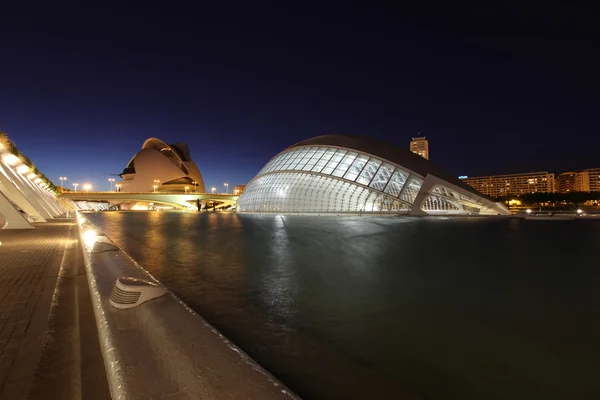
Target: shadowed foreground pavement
48, 340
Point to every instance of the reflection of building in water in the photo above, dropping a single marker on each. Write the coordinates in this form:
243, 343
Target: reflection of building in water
339, 173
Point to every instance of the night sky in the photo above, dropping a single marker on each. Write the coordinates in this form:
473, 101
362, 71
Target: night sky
495, 90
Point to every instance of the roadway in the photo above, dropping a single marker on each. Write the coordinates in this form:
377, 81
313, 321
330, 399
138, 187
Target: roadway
176, 199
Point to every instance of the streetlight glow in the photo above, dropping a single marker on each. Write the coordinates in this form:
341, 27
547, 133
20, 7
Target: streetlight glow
226, 187
62, 182
87, 187
111, 180
76, 184
154, 186
213, 190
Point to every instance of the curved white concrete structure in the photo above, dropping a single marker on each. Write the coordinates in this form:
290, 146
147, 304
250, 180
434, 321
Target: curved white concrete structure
25, 195
342, 173
169, 167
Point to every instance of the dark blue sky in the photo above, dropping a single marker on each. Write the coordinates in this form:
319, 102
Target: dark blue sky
496, 90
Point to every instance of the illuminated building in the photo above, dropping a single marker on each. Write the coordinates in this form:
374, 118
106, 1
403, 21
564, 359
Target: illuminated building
239, 189
353, 174
573, 181
420, 146
594, 177
161, 167
26, 195
514, 184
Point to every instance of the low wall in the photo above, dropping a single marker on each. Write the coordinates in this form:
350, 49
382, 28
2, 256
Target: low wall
162, 349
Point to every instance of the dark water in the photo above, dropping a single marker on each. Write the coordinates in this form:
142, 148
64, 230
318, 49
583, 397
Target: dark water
389, 308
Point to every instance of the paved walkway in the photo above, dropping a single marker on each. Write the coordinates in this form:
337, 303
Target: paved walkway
30, 262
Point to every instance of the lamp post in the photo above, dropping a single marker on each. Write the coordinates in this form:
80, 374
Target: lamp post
156, 182
118, 186
87, 187
186, 188
111, 180
62, 182
226, 187
76, 184
155, 186
195, 186
213, 190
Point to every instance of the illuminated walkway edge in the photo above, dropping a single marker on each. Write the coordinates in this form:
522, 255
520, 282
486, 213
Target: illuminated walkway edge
163, 347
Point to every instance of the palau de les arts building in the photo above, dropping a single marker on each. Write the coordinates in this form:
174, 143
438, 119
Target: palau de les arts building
167, 166
354, 174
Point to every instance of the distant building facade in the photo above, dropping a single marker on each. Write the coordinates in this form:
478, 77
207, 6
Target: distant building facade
573, 181
420, 146
514, 184
594, 177
239, 189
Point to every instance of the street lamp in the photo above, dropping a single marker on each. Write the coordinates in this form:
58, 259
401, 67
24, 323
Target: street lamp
226, 187
155, 186
156, 182
195, 186
235, 191
87, 187
111, 180
118, 186
76, 184
213, 190
186, 188
62, 182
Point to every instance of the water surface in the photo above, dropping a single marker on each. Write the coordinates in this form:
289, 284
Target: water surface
380, 307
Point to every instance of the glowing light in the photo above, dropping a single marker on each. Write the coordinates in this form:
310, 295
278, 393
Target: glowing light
213, 190
87, 187
23, 169
529, 211
89, 237
186, 188
579, 211
32, 176
11, 159
37, 180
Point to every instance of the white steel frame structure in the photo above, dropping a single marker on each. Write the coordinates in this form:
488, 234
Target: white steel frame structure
350, 174
24, 197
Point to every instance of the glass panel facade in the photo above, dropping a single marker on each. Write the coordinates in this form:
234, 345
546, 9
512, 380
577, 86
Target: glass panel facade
382, 176
412, 188
369, 171
332, 179
395, 184
356, 183
305, 192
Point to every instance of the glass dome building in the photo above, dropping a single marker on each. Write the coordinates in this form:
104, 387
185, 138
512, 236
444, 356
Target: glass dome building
354, 174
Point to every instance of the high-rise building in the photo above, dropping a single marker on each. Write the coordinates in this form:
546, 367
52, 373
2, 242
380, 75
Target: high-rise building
420, 146
573, 181
594, 177
514, 184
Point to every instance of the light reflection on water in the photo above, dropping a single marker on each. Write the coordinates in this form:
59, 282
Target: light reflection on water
380, 307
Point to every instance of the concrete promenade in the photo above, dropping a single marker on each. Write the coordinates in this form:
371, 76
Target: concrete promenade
45, 317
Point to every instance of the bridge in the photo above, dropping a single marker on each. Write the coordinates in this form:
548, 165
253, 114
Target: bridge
174, 199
